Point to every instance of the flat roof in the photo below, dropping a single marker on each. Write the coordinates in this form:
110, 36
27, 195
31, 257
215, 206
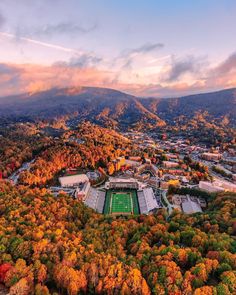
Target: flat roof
73, 179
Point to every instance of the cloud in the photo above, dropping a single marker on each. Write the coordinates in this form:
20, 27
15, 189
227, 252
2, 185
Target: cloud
223, 75
7, 69
2, 20
40, 43
9, 78
227, 65
84, 60
84, 70
127, 64
178, 68
52, 29
128, 56
159, 90
15, 79
148, 47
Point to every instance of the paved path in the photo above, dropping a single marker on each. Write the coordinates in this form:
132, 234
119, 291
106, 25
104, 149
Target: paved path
25, 167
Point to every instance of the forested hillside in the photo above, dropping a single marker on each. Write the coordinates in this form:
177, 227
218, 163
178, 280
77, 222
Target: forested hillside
49, 245
112, 108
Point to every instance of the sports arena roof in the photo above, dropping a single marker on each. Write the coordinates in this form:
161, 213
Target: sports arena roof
147, 200
73, 180
190, 207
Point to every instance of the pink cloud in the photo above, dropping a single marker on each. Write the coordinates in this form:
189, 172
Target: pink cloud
20, 78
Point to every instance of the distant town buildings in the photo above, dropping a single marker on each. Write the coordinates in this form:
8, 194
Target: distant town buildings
217, 186
211, 156
147, 167
148, 175
169, 164
171, 156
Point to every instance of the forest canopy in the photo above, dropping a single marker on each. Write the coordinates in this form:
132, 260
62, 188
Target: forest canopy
49, 245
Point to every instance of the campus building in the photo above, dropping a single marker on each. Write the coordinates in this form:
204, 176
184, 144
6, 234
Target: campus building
78, 185
169, 164
190, 207
211, 156
217, 186
125, 183
73, 180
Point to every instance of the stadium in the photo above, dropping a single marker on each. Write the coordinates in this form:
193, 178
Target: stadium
121, 201
122, 196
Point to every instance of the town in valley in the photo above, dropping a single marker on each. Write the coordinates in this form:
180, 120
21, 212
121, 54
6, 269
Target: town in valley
162, 173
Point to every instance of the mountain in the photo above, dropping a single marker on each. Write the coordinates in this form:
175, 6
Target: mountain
105, 106
117, 109
217, 105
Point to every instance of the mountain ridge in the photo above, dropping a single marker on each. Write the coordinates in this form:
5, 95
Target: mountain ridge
115, 108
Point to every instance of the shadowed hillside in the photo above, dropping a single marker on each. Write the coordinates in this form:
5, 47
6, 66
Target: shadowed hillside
117, 109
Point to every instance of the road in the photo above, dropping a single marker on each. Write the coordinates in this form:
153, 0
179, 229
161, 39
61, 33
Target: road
209, 165
25, 167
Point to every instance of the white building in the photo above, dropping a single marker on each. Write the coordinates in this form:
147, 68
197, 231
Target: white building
147, 167
132, 163
217, 186
190, 207
211, 156
180, 199
79, 183
82, 190
114, 183
73, 180
169, 164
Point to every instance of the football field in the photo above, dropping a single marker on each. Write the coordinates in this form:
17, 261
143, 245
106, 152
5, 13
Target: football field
121, 203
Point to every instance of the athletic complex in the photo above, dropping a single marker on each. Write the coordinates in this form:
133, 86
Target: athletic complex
122, 196
121, 202
119, 196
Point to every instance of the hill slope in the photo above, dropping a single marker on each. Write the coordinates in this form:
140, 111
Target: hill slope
105, 106
217, 104
114, 108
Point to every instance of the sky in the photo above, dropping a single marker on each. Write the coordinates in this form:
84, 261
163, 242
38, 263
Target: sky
146, 48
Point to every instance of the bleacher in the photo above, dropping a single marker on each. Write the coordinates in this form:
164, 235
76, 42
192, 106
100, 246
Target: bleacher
150, 198
100, 201
95, 199
142, 203
147, 200
91, 199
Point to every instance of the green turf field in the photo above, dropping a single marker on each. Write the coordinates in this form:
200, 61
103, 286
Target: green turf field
121, 202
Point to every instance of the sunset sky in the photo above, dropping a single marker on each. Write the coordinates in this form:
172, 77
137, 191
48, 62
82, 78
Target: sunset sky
148, 48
